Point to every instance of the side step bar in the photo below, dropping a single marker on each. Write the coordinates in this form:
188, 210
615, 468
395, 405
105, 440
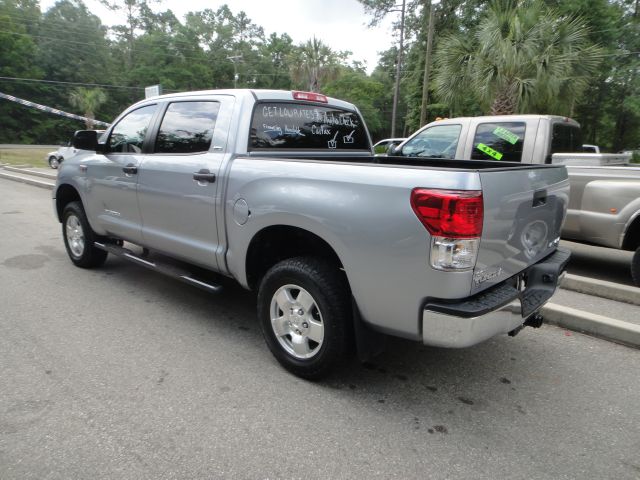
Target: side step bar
173, 271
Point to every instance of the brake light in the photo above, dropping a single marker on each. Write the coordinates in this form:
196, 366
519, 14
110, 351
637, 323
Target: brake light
454, 220
449, 213
310, 97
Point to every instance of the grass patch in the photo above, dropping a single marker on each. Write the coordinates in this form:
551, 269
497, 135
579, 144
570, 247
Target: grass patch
35, 156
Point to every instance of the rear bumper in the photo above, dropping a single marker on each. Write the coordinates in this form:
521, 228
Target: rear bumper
499, 309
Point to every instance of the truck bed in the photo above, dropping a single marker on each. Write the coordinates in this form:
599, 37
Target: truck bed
430, 163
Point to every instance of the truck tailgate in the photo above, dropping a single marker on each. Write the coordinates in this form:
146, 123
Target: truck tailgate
523, 212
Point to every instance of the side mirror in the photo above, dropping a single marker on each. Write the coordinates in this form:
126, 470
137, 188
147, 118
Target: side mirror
85, 140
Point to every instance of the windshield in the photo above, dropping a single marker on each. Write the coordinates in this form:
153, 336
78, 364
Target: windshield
439, 141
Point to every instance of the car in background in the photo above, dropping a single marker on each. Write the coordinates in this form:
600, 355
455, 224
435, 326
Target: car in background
66, 150
383, 146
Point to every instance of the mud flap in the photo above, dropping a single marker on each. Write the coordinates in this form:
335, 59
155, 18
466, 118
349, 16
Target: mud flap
369, 343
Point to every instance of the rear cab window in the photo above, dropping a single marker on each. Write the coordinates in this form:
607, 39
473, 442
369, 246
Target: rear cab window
566, 138
300, 126
187, 127
499, 141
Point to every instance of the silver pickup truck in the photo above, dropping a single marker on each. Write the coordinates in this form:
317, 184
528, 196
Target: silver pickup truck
280, 191
604, 205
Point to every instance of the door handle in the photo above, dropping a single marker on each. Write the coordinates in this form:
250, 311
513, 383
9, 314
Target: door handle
204, 175
130, 169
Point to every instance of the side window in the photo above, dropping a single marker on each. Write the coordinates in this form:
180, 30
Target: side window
439, 141
128, 134
187, 127
499, 141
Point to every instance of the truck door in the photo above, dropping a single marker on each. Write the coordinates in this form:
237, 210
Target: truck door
113, 177
179, 182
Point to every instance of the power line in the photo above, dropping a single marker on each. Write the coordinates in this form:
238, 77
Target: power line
165, 54
90, 47
51, 38
68, 25
82, 31
36, 80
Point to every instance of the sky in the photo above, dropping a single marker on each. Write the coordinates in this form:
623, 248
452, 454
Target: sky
341, 24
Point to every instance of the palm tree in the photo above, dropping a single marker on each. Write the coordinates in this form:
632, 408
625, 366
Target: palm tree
314, 63
88, 100
523, 57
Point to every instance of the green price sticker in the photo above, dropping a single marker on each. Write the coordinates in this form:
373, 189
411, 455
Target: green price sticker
507, 135
489, 151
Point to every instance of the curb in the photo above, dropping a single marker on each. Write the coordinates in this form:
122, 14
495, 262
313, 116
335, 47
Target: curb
21, 165
35, 173
601, 288
29, 181
592, 324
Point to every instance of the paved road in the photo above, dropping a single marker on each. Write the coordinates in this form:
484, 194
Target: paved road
121, 373
599, 262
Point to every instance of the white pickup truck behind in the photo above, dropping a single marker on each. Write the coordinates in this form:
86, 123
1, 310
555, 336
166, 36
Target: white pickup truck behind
604, 204
280, 192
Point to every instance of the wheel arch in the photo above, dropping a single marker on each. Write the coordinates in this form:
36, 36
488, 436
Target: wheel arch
278, 242
631, 239
65, 194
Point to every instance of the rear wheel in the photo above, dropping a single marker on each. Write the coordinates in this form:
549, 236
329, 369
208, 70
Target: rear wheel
305, 315
635, 267
79, 238
53, 162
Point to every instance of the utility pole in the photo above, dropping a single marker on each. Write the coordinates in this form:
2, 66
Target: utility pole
235, 59
427, 67
396, 90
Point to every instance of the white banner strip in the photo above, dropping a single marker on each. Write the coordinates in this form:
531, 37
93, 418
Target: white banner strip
55, 111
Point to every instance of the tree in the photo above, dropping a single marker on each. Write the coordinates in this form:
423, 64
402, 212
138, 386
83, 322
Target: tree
135, 12
314, 63
380, 9
88, 100
522, 57
356, 87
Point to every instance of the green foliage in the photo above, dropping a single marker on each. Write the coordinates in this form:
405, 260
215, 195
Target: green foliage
522, 57
88, 100
356, 87
217, 48
313, 64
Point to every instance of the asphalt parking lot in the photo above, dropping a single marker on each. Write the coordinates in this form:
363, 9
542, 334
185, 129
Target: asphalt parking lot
122, 373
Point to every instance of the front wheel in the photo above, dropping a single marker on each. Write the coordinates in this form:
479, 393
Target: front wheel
305, 314
79, 238
53, 162
635, 267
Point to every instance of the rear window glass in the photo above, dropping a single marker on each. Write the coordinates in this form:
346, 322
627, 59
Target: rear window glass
499, 141
566, 139
286, 126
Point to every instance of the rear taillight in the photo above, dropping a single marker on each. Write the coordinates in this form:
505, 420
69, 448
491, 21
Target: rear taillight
310, 97
449, 213
454, 220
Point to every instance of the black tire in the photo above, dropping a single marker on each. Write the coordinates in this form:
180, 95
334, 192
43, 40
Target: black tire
80, 246
329, 290
53, 162
635, 267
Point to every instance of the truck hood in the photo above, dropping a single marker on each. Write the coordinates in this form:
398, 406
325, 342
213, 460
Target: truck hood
524, 209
